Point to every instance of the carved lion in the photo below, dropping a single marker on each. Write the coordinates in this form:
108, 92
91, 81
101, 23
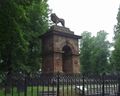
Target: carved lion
56, 19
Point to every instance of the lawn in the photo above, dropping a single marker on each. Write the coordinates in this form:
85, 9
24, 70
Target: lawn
31, 91
35, 91
64, 90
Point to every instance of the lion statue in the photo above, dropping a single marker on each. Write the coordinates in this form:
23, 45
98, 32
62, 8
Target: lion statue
56, 19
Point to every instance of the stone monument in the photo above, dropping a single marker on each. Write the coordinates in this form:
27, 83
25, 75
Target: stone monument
60, 49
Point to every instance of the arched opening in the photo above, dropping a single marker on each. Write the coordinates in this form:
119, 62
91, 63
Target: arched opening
67, 59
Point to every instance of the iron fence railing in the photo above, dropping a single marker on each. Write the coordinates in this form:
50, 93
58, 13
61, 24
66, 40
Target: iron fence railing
59, 84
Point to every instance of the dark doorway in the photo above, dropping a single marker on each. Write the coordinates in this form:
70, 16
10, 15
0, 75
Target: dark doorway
67, 59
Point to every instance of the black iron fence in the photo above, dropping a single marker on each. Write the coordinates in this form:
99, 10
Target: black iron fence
59, 84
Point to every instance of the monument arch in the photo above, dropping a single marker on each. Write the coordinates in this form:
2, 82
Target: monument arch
60, 50
67, 59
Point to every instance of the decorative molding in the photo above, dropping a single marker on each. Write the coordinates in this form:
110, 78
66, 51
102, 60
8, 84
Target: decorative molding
61, 29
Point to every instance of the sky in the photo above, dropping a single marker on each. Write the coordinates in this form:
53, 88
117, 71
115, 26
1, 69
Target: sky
87, 15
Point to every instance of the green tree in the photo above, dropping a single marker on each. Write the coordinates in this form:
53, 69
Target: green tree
21, 24
37, 24
116, 52
11, 35
85, 52
100, 53
94, 52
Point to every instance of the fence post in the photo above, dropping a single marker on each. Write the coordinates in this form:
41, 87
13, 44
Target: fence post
83, 88
8, 82
25, 85
103, 84
58, 77
118, 93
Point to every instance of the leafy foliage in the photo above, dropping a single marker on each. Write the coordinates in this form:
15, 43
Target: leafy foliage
85, 51
100, 53
94, 52
21, 24
116, 52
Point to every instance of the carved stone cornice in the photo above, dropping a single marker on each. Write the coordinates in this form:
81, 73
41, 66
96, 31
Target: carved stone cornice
60, 29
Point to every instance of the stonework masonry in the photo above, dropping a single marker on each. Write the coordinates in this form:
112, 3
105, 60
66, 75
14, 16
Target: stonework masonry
60, 51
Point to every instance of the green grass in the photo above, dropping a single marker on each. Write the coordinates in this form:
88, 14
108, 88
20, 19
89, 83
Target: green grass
31, 91
67, 91
34, 91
